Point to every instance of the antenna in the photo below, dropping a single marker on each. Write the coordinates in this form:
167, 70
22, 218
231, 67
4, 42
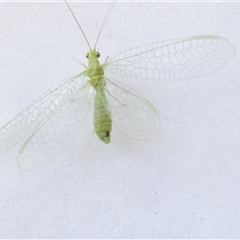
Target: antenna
103, 24
78, 24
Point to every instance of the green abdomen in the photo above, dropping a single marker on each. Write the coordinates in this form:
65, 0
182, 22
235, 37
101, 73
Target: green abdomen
102, 121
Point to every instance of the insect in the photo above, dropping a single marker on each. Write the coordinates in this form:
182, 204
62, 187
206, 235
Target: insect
50, 124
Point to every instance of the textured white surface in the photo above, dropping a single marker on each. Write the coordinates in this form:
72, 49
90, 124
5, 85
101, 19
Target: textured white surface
182, 184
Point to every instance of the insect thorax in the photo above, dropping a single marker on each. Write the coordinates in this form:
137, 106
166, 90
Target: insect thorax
95, 73
94, 81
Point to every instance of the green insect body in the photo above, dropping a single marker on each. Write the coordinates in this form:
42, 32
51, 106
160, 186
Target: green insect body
102, 121
50, 124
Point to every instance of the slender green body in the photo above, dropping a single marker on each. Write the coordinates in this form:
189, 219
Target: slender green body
50, 123
102, 121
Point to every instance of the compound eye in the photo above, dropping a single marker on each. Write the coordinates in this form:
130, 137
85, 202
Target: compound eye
98, 54
87, 55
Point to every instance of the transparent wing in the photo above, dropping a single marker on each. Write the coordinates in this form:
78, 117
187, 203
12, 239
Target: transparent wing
174, 59
35, 114
132, 114
57, 132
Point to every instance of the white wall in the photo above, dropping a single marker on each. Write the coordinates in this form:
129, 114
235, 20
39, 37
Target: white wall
182, 184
